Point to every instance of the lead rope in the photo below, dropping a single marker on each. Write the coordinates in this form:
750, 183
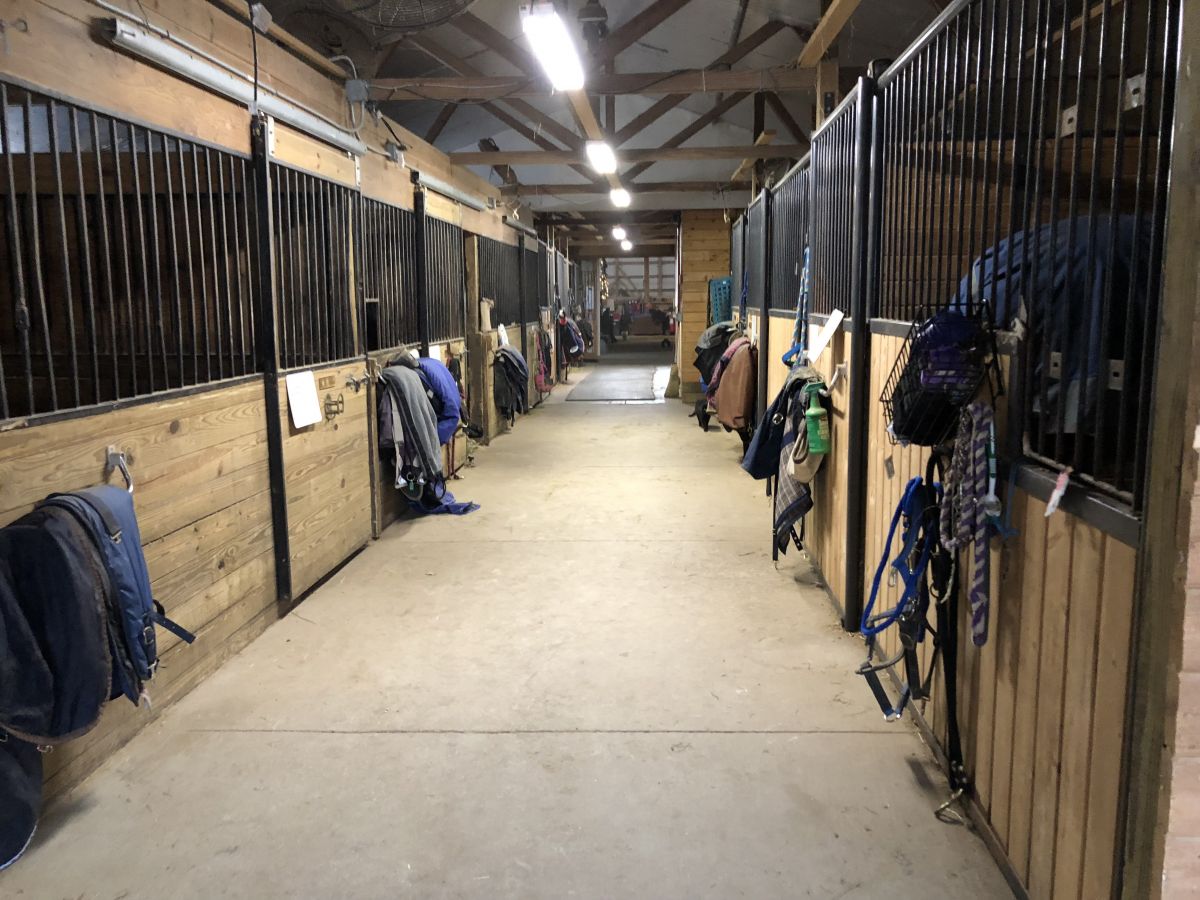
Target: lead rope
965, 508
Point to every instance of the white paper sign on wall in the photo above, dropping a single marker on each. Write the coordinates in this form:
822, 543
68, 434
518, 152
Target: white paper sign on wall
302, 399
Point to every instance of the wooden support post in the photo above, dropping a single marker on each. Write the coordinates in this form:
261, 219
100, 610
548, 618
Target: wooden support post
760, 127
829, 92
646, 280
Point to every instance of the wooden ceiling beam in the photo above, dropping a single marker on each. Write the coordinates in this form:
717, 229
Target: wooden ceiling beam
628, 33
747, 163
655, 154
786, 118
643, 187
439, 124
607, 217
581, 106
506, 48
826, 32
669, 102
691, 130
539, 120
650, 84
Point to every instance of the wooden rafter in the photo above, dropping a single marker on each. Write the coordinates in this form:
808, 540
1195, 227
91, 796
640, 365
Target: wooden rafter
443, 119
761, 141
638, 187
581, 106
649, 84
507, 49
627, 33
827, 31
505, 173
728, 58
695, 128
654, 154
786, 118
539, 120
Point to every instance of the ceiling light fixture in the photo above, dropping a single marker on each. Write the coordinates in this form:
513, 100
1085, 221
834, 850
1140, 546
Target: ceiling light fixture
619, 197
552, 45
618, 233
601, 156
626, 246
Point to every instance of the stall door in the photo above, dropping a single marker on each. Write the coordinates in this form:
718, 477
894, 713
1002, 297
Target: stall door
326, 470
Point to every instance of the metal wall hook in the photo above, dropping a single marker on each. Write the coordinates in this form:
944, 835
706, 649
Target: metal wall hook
114, 460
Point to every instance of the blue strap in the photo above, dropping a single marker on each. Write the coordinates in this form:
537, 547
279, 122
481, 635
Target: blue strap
161, 620
865, 626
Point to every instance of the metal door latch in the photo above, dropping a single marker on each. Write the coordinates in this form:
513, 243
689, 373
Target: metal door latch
334, 407
357, 383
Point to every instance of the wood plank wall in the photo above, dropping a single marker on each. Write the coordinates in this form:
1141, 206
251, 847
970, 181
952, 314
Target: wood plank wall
200, 461
328, 481
1041, 705
199, 465
703, 254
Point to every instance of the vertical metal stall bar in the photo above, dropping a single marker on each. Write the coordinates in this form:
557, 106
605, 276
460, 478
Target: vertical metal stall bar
1114, 205
522, 279
16, 263
104, 248
126, 264
173, 238
238, 198
1030, 199
860, 361
35, 248
267, 349
144, 256
191, 275
764, 312
1092, 390
420, 231
948, 239
1072, 215
253, 260
56, 155
230, 348
87, 283
921, 178
1043, 344
204, 298
216, 262
154, 290
1151, 336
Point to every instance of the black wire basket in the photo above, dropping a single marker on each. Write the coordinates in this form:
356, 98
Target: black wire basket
941, 367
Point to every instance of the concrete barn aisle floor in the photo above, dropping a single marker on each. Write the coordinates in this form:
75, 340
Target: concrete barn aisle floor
596, 686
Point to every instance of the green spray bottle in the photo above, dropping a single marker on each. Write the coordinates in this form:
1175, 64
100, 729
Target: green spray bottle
816, 419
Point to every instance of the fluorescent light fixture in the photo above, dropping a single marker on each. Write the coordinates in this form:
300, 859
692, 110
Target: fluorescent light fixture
449, 190
552, 45
173, 58
626, 246
601, 156
619, 197
618, 233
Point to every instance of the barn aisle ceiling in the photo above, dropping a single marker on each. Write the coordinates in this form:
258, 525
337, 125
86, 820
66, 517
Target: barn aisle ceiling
696, 79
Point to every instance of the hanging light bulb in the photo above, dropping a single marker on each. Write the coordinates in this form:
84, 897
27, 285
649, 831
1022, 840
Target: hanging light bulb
626, 246
619, 197
600, 154
618, 233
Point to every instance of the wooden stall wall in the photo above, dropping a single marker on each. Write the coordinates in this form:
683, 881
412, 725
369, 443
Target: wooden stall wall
825, 536
779, 340
703, 254
1041, 704
199, 465
327, 477
199, 459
